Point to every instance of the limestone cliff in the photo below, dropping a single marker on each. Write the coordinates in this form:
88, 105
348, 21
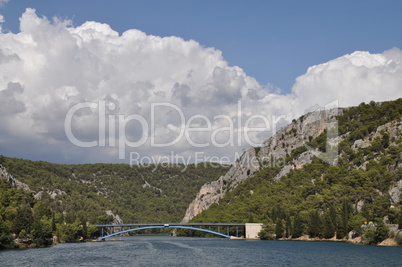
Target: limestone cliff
272, 152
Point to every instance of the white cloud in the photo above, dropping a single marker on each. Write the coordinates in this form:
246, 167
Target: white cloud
352, 79
50, 66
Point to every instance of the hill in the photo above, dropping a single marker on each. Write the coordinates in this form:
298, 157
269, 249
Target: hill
72, 196
325, 174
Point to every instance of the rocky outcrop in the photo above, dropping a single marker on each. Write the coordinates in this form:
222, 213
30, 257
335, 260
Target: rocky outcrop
52, 194
395, 193
273, 152
389, 242
393, 129
18, 184
116, 218
297, 163
11, 180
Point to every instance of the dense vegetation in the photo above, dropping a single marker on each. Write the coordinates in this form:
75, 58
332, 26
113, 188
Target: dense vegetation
20, 214
68, 198
323, 200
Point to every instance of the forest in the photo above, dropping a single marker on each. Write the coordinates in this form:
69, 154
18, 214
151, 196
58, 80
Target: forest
67, 200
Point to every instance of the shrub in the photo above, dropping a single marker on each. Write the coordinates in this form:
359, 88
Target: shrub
398, 238
369, 236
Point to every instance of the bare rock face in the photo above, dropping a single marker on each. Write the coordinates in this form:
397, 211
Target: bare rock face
116, 218
272, 153
210, 193
359, 205
395, 192
52, 194
11, 180
297, 163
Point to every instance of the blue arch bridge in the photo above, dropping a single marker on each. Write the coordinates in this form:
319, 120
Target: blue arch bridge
250, 230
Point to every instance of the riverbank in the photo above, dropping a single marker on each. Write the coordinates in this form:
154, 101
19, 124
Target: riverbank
389, 242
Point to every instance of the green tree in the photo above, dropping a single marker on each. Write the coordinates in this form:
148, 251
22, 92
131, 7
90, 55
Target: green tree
70, 232
369, 236
289, 226
382, 230
355, 223
93, 232
42, 233
40, 210
267, 232
6, 239
314, 224
23, 234
398, 238
23, 219
298, 227
345, 215
328, 226
279, 229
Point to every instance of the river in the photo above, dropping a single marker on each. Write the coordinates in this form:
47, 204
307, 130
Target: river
182, 251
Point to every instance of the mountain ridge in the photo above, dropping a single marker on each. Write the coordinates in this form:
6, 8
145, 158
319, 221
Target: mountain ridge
274, 150
318, 194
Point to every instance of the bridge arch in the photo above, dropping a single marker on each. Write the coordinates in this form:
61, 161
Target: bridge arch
164, 226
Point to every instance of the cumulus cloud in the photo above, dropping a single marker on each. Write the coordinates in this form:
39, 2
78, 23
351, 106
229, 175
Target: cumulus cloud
352, 79
8, 103
137, 91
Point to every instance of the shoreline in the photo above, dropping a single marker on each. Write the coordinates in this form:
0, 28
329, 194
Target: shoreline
389, 242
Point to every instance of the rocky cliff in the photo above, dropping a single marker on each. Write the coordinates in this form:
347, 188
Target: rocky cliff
11, 180
18, 184
273, 152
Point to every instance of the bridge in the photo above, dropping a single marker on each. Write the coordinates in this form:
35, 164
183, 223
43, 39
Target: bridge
250, 229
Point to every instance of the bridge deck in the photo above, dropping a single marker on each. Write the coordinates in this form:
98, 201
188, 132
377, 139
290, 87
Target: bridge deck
169, 224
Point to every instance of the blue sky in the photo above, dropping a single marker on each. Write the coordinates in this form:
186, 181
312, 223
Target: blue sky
273, 41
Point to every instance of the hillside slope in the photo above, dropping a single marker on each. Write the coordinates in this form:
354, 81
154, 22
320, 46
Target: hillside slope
135, 193
284, 150
312, 192
64, 200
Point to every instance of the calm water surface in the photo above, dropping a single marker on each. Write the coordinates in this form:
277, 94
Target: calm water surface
179, 251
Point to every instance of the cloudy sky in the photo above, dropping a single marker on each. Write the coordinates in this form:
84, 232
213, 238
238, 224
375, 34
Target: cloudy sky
92, 81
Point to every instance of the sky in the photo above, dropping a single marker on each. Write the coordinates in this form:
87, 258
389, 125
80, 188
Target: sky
138, 81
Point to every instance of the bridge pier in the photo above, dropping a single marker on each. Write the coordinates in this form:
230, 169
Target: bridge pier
252, 230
